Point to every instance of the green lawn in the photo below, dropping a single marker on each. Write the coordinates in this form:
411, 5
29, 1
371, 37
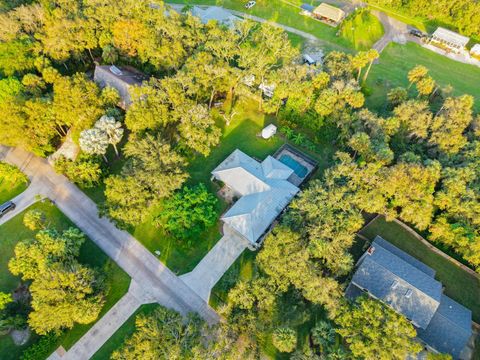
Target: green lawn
9, 191
395, 62
362, 30
14, 230
283, 13
459, 285
126, 330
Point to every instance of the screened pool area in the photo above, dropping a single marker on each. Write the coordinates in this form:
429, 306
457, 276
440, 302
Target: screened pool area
300, 170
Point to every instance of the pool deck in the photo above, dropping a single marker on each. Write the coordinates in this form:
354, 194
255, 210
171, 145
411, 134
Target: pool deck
299, 157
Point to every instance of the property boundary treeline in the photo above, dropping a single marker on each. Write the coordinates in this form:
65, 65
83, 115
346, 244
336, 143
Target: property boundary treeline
425, 242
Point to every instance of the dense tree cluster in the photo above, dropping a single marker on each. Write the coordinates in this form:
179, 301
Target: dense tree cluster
60, 285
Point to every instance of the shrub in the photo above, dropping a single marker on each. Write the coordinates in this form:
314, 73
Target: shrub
34, 219
188, 212
41, 349
284, 339
86, 171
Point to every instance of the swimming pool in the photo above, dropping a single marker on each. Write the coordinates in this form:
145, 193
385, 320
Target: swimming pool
300, 170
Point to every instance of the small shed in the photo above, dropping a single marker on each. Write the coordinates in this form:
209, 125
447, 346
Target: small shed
307, 9
449, 39
307, 59
268, 131
329, 13
119, 78
475, 50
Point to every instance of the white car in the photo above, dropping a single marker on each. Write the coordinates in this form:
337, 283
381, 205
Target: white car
250, 4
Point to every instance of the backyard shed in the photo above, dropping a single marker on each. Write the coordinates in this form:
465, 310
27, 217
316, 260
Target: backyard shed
328, 12
268, 131
450, 39
307, 9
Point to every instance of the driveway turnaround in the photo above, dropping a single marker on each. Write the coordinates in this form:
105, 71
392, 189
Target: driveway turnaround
211, 268
143, 267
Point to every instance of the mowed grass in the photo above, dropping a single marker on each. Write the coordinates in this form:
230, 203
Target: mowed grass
362, 30
282, 12
397, 60
90, 254
459, 285
8, 190
124, 332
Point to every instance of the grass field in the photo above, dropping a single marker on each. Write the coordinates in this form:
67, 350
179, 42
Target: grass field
395, 62
126, 330
459, 285
14, 230
8, 190
361, 29
284, 13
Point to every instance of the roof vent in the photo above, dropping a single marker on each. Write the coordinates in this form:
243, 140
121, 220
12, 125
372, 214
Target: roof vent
115, 70
371, 250
394, 284
408, 294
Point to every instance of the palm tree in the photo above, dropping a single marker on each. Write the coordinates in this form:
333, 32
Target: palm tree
112, 128
298, 139
372, 55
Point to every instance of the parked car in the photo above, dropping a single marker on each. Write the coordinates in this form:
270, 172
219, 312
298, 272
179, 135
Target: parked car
250, 4
6, 207
417, 33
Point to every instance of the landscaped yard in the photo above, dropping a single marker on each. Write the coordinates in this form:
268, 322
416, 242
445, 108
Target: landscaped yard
125, 331
13, 231
362, 30
459, 285
395, 62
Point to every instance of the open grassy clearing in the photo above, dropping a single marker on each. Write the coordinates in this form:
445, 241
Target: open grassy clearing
90, 254
395, 62
459, 285
362, 30
125, 331
283, 13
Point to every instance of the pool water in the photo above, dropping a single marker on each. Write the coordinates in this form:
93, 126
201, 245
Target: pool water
300, 170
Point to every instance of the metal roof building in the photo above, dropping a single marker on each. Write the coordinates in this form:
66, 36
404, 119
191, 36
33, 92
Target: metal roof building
216, 13
449, 38
263, 190
121, 79
409, 287
329, 12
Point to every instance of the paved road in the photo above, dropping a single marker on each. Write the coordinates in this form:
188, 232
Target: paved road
144, 268
218, 260
392, 27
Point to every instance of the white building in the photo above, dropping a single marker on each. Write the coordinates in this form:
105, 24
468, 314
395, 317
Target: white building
263, 192
451, 40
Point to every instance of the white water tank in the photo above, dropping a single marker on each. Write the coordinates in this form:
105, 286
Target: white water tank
269, 131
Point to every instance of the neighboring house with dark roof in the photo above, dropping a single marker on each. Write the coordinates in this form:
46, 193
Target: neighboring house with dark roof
120, 78
409, 287
263, 191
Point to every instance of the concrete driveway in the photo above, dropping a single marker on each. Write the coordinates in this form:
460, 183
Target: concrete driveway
212, 267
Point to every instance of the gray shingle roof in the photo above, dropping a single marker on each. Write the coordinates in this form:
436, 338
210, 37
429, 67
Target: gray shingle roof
263, 188
398, 283
450, 328
389, 274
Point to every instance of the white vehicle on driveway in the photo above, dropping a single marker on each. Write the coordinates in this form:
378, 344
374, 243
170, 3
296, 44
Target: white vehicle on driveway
250, 4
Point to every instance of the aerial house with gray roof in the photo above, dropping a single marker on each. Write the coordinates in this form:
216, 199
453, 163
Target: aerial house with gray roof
262, 189
409, 287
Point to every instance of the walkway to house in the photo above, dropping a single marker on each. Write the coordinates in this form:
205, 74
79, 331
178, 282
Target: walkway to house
211, 268
162, 285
